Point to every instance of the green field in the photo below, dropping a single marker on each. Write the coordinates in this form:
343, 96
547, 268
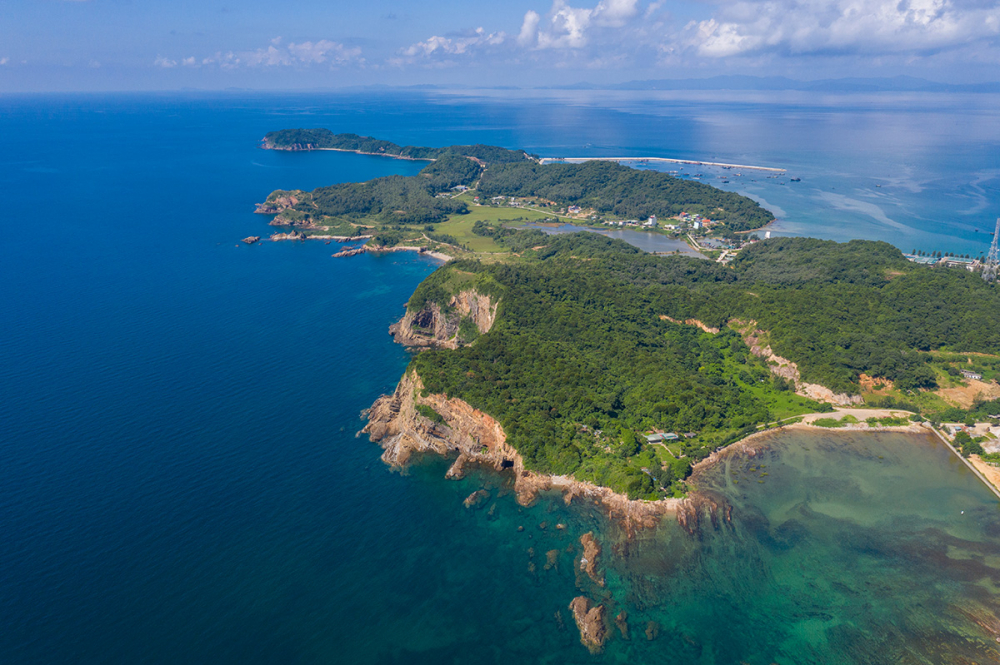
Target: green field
460, 226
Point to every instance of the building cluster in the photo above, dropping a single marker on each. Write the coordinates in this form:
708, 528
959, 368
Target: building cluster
968, 263
648, 224
696, 221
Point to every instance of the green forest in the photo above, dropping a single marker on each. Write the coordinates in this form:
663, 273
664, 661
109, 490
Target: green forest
580, 362
426, 197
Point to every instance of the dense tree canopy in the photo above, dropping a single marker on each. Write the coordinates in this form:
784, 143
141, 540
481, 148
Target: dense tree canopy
581, 343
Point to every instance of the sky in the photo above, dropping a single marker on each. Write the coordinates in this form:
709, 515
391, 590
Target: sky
69, 45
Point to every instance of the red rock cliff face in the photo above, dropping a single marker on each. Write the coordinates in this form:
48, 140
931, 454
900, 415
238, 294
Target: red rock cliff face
432, 326
399, 427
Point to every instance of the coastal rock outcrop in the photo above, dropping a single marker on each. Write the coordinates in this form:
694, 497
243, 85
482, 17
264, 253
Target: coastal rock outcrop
395, 422
591, 552
434, 325
476, 499
349, 251
251, 239
291, 235
591, 622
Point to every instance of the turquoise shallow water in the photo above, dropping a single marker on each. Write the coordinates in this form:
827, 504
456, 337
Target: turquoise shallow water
179, 475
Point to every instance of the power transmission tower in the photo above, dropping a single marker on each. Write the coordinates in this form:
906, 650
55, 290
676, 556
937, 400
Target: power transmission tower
993, 258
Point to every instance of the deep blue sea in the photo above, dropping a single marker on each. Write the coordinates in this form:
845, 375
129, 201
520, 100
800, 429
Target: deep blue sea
180, 480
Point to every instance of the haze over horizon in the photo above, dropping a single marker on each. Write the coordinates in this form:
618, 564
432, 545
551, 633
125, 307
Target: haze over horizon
94, 45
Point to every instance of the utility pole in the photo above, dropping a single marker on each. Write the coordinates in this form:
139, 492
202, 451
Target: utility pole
993, 258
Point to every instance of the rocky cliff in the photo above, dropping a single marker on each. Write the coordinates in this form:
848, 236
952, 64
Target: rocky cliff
408, 422
402, 428
438, 326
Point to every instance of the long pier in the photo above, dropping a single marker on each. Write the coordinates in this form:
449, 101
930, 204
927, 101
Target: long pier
579, 160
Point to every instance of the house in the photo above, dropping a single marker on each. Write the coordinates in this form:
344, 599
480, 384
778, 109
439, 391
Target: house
969, 374
574, 210
652, 220
660, 437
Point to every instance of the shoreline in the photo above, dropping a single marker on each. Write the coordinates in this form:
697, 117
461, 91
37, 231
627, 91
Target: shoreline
374, 154
439, 256
267, 146
395, 424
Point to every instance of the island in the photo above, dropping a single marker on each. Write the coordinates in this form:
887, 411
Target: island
582, 364
463, 184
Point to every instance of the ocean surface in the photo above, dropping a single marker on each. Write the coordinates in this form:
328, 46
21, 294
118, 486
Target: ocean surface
180, 479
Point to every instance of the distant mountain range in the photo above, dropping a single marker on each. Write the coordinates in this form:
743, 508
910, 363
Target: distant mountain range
739, 82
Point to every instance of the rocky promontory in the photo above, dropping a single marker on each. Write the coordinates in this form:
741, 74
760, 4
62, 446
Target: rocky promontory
409, 422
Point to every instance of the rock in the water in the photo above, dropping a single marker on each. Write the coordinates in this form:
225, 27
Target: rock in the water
350, 251
622, 622
291, 235
251, 239
591, 552
551, 559
652, 630
457, 470
590, 621
476, 499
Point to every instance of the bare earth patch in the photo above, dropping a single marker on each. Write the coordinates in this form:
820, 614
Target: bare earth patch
965, 396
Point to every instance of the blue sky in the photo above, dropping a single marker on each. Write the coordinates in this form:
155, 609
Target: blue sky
212, 44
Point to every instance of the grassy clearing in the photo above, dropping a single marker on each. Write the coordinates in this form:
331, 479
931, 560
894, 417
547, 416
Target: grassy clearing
460, 226
835, 422
787, 404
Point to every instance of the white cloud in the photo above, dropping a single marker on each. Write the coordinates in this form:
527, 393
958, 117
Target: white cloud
165, 63
614, 13
844, 26
4, 61
529, 28
304, 54
457, 45
566, 27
